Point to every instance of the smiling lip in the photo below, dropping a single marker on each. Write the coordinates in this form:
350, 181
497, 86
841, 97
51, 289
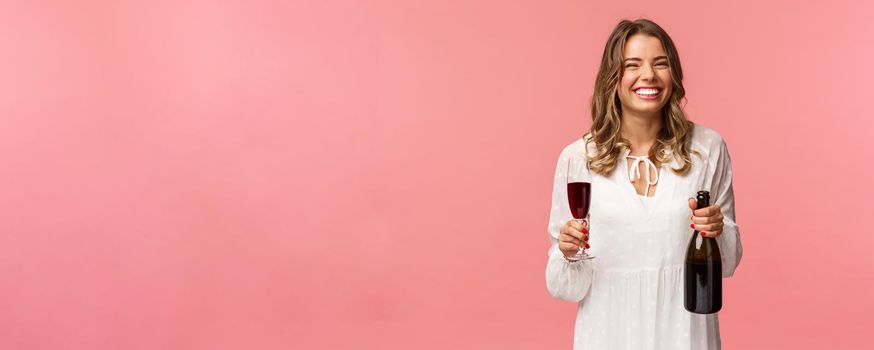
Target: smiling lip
648, 98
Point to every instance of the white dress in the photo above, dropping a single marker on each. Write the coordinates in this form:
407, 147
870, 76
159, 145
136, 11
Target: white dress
631, 295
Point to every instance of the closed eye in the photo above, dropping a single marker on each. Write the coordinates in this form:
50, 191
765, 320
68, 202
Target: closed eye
657, 64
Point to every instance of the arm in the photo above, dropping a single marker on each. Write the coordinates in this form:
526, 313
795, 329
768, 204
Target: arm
729, 241
565, 280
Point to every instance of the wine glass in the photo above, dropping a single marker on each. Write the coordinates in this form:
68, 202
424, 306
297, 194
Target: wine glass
579, 195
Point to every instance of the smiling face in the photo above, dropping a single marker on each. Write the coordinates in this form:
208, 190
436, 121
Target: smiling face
646, 82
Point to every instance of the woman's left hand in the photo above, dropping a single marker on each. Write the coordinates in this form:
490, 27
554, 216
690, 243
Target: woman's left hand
707, 220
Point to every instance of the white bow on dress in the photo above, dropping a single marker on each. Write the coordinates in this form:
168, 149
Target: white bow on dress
635, 172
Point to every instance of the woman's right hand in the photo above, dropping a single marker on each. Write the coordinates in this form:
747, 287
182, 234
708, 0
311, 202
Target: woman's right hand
571, 236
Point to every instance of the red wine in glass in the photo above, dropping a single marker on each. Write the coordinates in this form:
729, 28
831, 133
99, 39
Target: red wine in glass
579, 195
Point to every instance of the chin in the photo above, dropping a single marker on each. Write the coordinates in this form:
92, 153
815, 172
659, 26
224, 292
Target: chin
650, 109
654, 107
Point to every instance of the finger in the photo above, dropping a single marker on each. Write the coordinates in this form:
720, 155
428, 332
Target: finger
708, 211
571, 237
579, 234
576, 225
584, 235
717, 219
568, 247
573, 225
564, 230
693, 204
705, 227
708, 227
705, 220
711, 234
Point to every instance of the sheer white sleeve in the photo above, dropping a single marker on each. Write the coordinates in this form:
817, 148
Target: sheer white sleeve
565, 280
721, 189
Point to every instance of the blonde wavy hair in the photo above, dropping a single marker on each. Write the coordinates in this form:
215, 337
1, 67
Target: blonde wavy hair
674, 140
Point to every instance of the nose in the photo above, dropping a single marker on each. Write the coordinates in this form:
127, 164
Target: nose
646, 72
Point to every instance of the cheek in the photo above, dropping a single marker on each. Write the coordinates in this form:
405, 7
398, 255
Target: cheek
666, 78
626, 81
624, 93
668, 83
669, 90
625, 86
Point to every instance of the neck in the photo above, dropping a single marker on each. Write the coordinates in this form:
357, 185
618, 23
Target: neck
641, 130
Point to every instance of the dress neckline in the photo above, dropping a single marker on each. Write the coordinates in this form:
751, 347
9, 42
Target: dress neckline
646, 204
649, 169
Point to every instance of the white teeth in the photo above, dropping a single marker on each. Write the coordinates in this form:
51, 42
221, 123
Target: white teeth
648, 92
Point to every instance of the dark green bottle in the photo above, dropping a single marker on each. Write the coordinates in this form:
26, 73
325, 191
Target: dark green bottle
703, 292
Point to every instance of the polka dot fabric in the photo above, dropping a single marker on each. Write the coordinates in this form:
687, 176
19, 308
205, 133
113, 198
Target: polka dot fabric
631, 295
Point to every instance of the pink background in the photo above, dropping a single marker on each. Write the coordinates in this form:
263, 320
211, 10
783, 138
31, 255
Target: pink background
377, 174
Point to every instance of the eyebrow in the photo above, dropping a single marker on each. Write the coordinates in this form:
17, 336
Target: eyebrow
638, 59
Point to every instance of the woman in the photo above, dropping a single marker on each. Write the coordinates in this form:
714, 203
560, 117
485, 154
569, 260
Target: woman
631, 294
